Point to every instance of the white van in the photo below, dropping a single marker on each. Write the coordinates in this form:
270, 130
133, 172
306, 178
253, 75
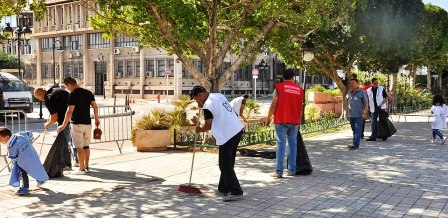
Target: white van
16, 94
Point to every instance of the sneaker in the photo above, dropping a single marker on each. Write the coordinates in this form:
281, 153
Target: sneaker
276, 175
87, 170
231, 197
353, 148
431, 141
290, 174
444, 140
23, 191
220, 193
79, 172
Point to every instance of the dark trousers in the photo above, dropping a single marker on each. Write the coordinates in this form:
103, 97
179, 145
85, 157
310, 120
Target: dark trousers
228, 182
25, 180
436, 132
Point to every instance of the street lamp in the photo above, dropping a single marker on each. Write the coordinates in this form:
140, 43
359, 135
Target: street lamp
54, 65
262, 66
307, 50
20, 35
103, 73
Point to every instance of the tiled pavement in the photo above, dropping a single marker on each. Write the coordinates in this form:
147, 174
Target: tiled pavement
402, 177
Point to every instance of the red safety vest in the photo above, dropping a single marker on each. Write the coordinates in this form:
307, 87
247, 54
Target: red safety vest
290, 103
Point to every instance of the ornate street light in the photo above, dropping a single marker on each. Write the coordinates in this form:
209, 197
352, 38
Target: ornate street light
21, 35
262, 66
307, 50
54, 65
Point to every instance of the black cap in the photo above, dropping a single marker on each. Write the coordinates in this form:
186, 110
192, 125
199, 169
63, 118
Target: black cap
196, 90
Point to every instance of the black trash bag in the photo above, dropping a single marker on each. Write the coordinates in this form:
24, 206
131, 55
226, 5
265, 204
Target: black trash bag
303, 162
385, 128
254, 153
58, 157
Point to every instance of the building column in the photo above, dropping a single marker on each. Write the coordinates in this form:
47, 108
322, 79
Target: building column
142, 73
38, 62
88, 75
111, 77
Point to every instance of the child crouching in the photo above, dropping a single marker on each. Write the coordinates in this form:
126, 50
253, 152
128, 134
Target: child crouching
24, 157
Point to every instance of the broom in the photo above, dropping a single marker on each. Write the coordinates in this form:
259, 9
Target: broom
189, 189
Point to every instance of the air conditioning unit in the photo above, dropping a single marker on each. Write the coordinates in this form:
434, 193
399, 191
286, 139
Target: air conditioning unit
69, 26
118, 74
127, 83
148, 73
117, 51
77, 54
70, 56
135, 49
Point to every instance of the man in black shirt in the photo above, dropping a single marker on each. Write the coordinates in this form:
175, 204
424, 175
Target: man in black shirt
78, 114
56, 100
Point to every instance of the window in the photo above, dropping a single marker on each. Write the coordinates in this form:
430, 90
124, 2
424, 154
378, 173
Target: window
119, 69
197, 64
149, 68
96, 40
47, 70
73, 42
30, 72
244, 73
47, 44
73, 69
171, 66
161, 67
124, 41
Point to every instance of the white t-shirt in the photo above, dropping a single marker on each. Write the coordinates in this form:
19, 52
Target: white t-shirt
236, 104
226, 123
440, 113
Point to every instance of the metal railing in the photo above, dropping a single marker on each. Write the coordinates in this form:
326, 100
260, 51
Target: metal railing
255, 133
411, 106
16, 121
115, 124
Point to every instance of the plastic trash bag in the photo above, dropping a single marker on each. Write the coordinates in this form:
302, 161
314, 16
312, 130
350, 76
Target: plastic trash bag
303, 162
58, 157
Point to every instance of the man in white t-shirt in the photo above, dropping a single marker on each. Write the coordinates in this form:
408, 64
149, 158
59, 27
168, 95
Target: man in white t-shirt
238, 104
227, 129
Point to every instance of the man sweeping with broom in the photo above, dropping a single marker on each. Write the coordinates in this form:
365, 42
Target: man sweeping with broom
227, 129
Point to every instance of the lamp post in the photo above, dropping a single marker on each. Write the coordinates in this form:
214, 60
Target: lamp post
21, 35
307, 50
103, 74
262, 66
54, 65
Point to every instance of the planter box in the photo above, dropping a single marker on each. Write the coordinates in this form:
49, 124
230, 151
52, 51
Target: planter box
325, 107
319, 97
182, 129
152, 140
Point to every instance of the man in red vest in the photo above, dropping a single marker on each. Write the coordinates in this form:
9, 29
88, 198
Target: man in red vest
286, 106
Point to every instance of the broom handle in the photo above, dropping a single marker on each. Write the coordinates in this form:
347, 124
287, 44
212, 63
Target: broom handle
42, 145
194, 147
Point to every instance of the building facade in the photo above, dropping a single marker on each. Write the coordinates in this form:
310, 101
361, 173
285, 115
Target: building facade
64, 44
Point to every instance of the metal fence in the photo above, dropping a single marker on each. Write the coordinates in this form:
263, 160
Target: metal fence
411, 106
16, 121
256, 133
115, 124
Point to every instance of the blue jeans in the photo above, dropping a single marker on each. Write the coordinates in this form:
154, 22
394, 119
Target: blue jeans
282, 132
436, 132
356, 124
68, 136
374, 118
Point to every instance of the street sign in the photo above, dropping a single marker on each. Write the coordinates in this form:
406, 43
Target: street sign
255, 77
167, 71
255, 72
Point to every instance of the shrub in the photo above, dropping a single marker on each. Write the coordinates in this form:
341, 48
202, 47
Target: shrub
157, 120
251, 107
312, 113
329, 115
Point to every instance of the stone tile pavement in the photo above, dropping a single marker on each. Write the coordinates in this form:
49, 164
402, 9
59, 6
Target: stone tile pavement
404, 176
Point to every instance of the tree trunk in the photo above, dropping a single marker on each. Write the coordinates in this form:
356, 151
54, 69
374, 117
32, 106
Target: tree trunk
394, 90
412, 77
428, 79
344, 114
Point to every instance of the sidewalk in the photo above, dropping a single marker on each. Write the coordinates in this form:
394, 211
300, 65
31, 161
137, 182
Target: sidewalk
404, 176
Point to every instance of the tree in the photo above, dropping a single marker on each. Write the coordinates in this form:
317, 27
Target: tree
208, 29
375, 33
8, 61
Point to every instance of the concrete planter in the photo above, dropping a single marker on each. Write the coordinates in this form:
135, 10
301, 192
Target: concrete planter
319, 97
182, 129
152, 140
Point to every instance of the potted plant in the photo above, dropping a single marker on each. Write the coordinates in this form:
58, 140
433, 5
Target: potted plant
152, 132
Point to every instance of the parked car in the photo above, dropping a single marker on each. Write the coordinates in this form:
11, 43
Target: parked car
16, 94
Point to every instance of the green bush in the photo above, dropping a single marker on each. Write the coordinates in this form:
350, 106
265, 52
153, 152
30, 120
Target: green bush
157, 120
312, 113
252, 107
329, 115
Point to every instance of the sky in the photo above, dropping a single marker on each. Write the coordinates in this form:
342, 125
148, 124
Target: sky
441, 3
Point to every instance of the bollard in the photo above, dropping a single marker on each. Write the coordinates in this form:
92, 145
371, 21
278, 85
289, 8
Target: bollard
40, 110
158, 97
115, 103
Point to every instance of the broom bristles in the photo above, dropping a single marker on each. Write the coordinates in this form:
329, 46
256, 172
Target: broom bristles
187, 189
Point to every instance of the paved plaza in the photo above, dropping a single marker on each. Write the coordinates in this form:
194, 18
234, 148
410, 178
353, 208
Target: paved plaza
404, 176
